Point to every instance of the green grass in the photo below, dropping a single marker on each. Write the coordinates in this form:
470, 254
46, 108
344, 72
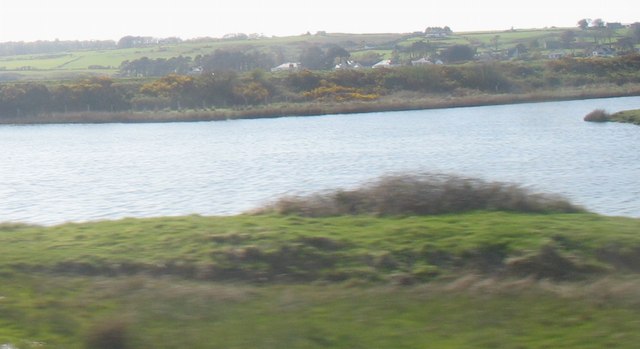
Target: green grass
59, 312
339, 282
294, 248
50, 66
627, 116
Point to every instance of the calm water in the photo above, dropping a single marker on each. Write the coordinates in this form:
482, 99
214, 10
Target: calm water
56, 173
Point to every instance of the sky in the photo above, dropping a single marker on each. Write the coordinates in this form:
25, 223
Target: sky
31, 20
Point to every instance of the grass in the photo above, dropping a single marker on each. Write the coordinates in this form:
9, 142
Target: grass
76, 63
139, 312
627, 116
345, 282
53, 66
298, 249
475, 279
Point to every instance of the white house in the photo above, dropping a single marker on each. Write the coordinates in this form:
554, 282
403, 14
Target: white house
603, 52
421, 61
385, 63
289, 66
348, 65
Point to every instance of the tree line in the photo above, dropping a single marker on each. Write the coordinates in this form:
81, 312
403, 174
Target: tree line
227, 89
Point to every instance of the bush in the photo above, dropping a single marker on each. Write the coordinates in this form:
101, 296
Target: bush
108, 334
598, 115
424, 194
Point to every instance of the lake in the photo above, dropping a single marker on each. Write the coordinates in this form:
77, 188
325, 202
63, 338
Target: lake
52, 174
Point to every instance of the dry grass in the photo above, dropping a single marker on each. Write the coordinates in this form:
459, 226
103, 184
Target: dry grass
425, 194
598, 115
109, 334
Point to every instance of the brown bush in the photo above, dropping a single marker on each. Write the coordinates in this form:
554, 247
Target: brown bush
424, 194
108, 334
598, 115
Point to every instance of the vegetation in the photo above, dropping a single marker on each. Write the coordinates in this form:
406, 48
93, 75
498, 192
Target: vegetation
628, 116
477, 279
227, 94
598, 115
138, 77
422, 195
274, 281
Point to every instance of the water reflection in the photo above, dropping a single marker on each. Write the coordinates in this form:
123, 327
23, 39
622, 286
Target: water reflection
56, 173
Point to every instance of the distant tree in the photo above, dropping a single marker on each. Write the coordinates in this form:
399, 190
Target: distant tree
495, 40
235, 60
126, 42
534, 44
315, 58
598, 23
568, 37
458, 53
135, 41
625, 44
335, 52
521, 48
56, 46
634, 31
369, 58
420, 49
304, 80
156, 67
583, 24
599, 30
179, 89
312, 57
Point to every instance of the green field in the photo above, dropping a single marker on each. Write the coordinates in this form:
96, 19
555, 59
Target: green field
482, 280
46, 66
71, 64
627, 116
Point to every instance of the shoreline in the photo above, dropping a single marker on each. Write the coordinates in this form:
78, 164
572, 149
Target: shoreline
276, 110
627, 117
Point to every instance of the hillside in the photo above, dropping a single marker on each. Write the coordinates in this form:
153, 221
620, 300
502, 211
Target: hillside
65, 63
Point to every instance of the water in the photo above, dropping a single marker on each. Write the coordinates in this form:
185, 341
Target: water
52, 174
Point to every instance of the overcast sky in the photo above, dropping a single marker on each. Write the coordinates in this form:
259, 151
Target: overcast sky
29, 20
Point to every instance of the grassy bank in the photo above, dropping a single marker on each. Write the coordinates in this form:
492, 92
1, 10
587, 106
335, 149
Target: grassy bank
628, 116
296, 249
143, 312
402, 262
479, 279
394, 102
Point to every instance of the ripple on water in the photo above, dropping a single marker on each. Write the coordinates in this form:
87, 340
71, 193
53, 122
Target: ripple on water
59, 173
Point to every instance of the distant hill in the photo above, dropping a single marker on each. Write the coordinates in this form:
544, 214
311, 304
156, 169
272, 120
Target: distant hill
69, 59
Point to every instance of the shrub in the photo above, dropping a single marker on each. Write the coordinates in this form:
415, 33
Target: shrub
598, 115
424, 194
108, 334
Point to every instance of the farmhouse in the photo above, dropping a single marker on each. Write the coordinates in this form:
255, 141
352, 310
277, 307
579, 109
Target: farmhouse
385, 63
603, 52
289, 66
348, 65
421, 61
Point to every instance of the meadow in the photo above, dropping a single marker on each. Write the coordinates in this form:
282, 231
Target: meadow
481, 279
536, 272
